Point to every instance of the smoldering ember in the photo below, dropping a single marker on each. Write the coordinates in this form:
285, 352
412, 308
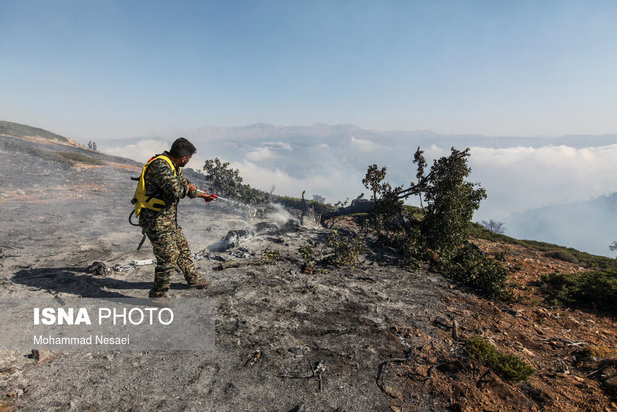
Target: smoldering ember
318, 308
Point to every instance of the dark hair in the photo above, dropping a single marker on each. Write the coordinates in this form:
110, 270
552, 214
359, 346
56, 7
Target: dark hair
182, 147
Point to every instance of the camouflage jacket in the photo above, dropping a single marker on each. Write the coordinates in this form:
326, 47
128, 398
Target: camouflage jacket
161, 183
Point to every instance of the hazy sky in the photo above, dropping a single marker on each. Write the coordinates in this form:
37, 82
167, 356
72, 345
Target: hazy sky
101, 69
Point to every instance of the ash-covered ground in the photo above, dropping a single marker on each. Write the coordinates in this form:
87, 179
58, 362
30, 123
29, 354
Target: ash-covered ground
364, 338
284, 339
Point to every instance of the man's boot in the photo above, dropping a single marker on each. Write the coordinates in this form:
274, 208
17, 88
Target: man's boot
158, 295
199, 283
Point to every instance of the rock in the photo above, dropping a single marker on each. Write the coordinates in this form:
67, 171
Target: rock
456, 334
266, 227
8, 370
231, 239
143, 262
612, 384
517, 313
528, 352
16, 393
42, 356
98, 269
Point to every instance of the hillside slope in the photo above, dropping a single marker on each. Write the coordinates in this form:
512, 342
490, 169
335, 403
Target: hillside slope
364, 338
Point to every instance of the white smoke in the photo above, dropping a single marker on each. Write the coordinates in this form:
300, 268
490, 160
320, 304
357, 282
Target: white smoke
279, 216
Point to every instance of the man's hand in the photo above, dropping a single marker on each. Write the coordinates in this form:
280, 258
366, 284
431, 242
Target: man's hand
206, 197
191, 187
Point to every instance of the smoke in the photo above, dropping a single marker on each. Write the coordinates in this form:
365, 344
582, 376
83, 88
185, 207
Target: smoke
331, 182
139, 151
279, 216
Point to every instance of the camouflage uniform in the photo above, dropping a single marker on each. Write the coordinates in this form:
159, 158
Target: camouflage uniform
168, 242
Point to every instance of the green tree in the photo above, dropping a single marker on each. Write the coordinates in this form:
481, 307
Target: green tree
444, 224
223, 179
450, 202
374, 180
228, 182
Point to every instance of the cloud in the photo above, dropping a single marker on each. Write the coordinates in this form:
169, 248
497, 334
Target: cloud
260, 154
521, 178
363, 144
515, 178
278, 145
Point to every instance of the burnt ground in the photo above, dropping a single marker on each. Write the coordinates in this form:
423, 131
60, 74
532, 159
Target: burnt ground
364, 338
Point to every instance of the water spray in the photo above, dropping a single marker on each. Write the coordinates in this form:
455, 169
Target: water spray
217, 197
250, 209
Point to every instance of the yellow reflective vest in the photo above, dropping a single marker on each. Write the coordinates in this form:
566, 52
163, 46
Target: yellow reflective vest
141, 199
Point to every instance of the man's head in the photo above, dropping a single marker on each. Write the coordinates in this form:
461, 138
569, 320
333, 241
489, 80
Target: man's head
182, 150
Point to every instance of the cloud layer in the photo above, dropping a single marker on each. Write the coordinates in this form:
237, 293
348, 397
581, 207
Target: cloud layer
516, 178
521, 178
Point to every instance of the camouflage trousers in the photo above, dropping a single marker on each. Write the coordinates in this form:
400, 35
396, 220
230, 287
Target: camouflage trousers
170, 249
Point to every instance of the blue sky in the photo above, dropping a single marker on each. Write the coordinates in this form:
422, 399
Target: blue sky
113, 69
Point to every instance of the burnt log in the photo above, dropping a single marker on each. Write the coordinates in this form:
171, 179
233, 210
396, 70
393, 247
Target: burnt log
356, 206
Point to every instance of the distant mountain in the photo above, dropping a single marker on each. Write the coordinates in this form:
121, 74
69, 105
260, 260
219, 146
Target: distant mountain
590, 226
419, 137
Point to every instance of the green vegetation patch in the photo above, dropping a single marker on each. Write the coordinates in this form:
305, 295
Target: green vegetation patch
270, 256
601, 352
596, 289
561, 255
82, 158
472, 267
228, 182
507, 365
346, 249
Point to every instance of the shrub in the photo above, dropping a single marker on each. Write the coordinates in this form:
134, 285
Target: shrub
306, 251
507, 365
601, 352
63, 157
596, 289
561, 255
270, 256
345, 249
307, 254
472, 267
